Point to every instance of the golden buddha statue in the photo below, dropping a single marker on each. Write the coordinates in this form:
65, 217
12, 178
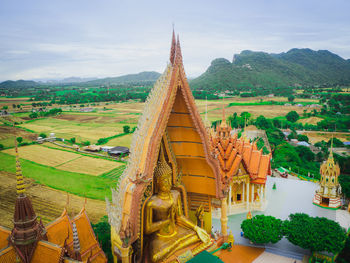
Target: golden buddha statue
167, 228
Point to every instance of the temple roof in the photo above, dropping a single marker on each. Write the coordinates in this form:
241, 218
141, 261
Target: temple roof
169, 110
4, 235
232, 151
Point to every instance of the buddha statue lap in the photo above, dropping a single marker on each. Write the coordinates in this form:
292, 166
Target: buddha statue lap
167, 228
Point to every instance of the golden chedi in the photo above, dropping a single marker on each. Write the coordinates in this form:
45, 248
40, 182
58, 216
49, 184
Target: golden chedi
167, 228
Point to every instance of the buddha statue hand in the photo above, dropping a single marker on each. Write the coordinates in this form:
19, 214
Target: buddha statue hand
202, 234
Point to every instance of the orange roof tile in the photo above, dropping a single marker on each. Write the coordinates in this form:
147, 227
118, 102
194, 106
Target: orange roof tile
57, 231
4, 234
87, 239
8, 255
46, 250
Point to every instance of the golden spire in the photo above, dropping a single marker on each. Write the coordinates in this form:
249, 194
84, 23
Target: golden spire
162, 169
20, 181
223, 123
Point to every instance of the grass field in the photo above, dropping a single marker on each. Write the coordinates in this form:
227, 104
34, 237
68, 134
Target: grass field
311, 120
94, 187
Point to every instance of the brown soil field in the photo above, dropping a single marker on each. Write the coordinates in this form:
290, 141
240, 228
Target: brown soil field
7, 134
89, 165
97, 119
43, 155
48, 203
311, 120
316, 136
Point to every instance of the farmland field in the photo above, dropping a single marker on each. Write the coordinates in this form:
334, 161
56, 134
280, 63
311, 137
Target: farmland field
317, 136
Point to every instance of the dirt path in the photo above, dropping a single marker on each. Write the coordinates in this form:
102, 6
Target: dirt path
48, 203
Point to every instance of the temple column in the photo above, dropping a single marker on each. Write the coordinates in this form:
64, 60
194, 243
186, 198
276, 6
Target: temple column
229, 199
126, 255
247, 184
224, 218
252, 200
243, 192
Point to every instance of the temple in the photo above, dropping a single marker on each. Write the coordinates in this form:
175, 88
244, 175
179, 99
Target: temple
243, 170
63, 240
178, 173
328, 194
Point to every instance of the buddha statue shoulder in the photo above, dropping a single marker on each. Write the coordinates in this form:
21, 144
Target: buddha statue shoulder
167, 228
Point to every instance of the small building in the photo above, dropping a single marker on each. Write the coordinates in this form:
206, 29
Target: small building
40, 140
117, 151
92, 148
302, 143
106, 148
328, 194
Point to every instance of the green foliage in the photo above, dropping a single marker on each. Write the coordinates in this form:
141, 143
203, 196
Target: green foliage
126, 129
103, 232
336, 143
302, 138
344, 181
291, 98
42, 135
85, 143
305, 154
33, 115
5, 107
344, 255
1, 146
101, 141
263, 123
292, 116
316, 234
264, 73
72, 140
19, 139
262, 229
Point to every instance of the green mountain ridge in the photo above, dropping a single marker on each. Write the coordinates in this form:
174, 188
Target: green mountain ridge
260, 69
146, 77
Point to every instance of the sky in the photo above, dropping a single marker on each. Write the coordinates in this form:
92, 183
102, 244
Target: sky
41, 39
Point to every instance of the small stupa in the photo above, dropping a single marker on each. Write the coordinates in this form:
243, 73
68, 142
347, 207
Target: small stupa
328, 194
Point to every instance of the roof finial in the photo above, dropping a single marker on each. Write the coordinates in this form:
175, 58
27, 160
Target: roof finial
173, 48
76, 242
20, 181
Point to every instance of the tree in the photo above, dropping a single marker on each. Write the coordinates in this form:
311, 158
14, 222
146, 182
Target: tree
86, 143
302, 138
344, 181
291, 98
126, 129
103, 231
33, 115
19, 139
42, 135
18, 106
305, 154
1, 146
72, 140
336, 143
5, 107
262, 123
292, 116
262, 229
102, 141
314, 233
14, 106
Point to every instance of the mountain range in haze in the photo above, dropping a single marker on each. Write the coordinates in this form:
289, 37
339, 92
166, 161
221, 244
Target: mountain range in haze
249, 68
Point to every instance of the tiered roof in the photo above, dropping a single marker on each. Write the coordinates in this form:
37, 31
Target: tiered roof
231, 151
169, 111
30, 241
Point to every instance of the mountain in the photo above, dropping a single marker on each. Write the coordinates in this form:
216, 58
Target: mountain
8, 84
260, 69
146, 76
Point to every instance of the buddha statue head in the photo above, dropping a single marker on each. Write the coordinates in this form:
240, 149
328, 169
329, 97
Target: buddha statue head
163, 174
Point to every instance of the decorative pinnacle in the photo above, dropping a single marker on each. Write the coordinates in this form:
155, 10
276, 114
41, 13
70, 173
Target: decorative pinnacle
76, 243
173, 48
20, 181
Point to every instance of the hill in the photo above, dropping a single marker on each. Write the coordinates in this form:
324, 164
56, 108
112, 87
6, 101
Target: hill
10, 84
146, 76
259, 69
